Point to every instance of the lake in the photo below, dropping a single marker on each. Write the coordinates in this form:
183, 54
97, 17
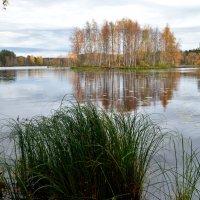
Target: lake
171, 96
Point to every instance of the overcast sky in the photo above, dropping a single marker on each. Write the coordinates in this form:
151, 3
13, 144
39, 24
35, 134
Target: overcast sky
43, 27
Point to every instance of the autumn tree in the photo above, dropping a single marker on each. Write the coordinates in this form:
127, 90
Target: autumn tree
94, 43
39, 61
119, 42
105, 33
112, 42
30, 60
77, 40
155, 47
87, 42
21, 61
132, 36
145, 46
170, 47
149, 53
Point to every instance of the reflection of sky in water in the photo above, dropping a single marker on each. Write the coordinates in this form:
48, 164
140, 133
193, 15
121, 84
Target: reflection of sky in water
32, 93
173, 96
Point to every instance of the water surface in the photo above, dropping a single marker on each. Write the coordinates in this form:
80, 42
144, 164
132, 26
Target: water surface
172, 95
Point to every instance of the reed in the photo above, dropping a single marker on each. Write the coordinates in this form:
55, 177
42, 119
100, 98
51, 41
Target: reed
182, 173
81, 152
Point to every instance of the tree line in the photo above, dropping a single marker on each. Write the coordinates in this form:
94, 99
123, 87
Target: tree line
191, 57
9, 58
124, 43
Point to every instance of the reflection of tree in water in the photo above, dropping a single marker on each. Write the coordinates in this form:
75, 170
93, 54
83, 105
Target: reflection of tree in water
199, 85
11, 75
33, 73
169, 85
7, 75
125, 90
76, 81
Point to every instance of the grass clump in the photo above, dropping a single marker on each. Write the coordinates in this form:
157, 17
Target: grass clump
87, 68
81, 152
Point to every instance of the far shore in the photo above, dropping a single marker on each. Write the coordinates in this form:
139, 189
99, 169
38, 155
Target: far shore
23, 67
89, 68
85, 68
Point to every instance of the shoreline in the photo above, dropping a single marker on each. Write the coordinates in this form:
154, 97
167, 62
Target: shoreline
23, 67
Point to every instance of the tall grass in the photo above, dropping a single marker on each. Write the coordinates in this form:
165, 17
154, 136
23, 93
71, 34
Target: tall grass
82, 152
182, 175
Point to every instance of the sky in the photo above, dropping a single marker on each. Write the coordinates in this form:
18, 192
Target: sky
43, 27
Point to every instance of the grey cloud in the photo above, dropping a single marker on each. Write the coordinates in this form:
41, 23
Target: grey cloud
176, 12
39, 3
117, 2
189, 36
34, 50
31, 34
44, 40
194, 29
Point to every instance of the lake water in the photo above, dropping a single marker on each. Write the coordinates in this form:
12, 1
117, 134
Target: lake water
173, 96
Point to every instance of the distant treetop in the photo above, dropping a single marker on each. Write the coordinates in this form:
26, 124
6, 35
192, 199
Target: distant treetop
5, 3
197, 50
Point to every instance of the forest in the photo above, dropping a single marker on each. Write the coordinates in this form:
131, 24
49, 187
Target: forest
9, 58
124, 43
191, 57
